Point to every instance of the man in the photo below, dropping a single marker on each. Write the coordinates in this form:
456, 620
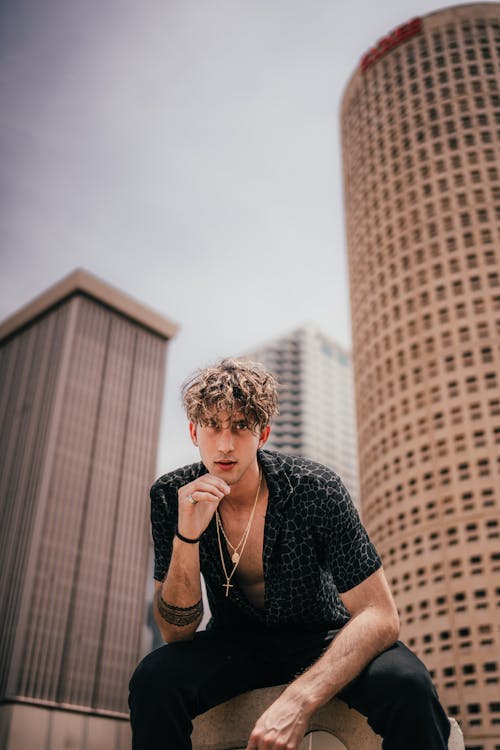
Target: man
296, 589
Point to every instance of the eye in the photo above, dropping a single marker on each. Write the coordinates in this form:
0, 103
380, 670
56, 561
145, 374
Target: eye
241, 426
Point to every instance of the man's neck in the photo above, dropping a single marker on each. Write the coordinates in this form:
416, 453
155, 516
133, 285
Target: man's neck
243, 493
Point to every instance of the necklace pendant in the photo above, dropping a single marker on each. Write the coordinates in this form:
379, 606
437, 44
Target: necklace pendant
235, 558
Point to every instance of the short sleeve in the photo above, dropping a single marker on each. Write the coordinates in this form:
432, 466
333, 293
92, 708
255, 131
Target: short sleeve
163, 521
351, 555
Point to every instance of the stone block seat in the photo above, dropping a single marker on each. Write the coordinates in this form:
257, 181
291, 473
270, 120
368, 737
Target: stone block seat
228, 726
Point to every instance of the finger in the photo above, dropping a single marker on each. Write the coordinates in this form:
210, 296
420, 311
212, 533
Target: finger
201, 496
218, 482
193, 489
206, 489
254, 741
219, 487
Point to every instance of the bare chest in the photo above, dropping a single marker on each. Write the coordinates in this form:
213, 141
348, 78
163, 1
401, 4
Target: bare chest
247, 555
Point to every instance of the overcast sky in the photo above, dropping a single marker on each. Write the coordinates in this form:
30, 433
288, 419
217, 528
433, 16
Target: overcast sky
187, 152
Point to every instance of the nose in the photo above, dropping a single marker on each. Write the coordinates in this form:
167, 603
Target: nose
225, 440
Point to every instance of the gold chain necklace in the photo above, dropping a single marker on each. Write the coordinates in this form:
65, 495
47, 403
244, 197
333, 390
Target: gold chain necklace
236, 557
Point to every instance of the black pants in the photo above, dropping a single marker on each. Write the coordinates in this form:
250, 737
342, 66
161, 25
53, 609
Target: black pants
177, 682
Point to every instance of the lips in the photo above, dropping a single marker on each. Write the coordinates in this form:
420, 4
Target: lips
225, 465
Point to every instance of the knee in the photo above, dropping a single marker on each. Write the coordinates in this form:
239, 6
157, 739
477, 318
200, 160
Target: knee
414, 689
158, 675
144, 680
399, 677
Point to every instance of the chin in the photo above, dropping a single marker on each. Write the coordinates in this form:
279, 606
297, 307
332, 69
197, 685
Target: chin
230, 476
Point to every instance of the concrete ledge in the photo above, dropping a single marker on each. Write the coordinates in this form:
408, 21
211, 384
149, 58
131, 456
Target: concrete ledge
228, 726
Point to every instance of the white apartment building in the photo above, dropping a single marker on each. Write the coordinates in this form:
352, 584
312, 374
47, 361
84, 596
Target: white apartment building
317, 413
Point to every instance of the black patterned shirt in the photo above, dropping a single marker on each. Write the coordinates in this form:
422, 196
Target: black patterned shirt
315, 546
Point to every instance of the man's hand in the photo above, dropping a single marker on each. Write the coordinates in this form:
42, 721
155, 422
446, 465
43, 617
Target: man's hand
282, 726
373, 627
198, 502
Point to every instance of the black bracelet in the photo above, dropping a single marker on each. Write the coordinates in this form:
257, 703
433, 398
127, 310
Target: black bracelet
185, 538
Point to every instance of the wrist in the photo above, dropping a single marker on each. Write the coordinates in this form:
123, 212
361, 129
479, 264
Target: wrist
186, 539
302, 698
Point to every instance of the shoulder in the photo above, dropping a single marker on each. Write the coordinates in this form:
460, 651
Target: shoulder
170, 483
304, 475
297, 468
314, 473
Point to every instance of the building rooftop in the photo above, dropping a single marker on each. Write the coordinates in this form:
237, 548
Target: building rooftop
83, 282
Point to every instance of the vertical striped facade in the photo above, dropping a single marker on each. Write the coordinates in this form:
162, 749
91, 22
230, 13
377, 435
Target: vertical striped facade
80, 400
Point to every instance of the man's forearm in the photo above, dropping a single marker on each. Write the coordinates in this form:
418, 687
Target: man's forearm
177, 608
367, 634
284, 723
178, 605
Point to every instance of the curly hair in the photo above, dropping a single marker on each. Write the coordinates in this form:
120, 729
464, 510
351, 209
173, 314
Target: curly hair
232, 385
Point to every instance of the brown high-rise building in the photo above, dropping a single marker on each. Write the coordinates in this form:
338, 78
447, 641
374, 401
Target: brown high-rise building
421, 135
81, 384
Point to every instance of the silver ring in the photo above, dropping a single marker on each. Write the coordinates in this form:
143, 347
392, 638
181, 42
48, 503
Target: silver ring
192, 500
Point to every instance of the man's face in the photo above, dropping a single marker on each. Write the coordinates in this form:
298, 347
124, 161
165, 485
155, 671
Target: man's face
228, 446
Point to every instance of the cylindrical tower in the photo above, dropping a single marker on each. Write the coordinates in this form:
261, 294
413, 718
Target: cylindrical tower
421, 133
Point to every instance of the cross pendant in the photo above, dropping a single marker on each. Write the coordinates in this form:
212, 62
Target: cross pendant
227, 586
